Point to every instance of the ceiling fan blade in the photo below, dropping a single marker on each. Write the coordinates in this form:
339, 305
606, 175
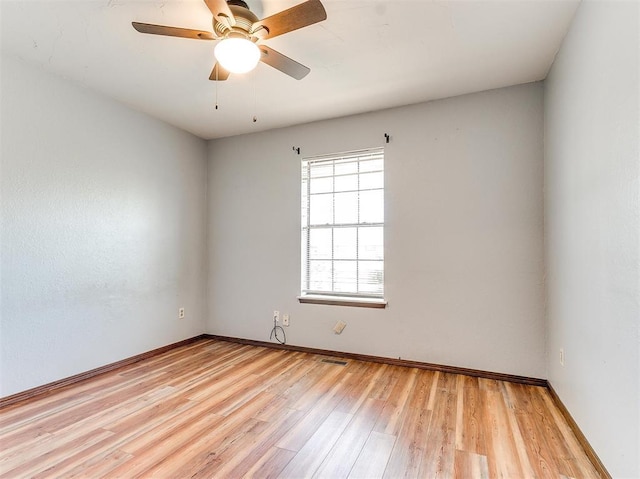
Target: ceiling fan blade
283, 63
301, 15
219, 8
218, 73
172, 31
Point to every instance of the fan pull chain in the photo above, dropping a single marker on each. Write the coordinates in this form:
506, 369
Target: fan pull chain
217, 88
255, 98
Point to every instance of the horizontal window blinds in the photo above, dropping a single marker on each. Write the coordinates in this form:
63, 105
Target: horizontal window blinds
343, 224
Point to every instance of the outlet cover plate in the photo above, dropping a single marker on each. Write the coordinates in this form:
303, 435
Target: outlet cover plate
340, 325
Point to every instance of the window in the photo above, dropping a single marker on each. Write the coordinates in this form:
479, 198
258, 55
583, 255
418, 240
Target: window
343, 227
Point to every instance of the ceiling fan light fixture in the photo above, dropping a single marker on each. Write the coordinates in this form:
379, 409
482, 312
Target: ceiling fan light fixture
237, 55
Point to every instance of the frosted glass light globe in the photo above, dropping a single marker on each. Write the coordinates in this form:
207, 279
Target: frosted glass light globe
237, 55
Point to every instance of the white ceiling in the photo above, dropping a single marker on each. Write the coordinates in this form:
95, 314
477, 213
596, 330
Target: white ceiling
367, 55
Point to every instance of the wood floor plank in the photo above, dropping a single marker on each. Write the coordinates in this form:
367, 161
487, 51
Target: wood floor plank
410, 445
162, 427
238, 461
503, 458
382, 387
291, 383
203, 456
151, 448
412, 440
575, 463
521, 447
213, 408
470, 465
98, 457
359, 388
70, 432
345, 452
98, 465
470, 430
310, 456
318, 386
307, 426
439, 455
431, 402
15, 416
200, 458
391, 417
271, 464
43, 458
537, 450
67, 431
373, 458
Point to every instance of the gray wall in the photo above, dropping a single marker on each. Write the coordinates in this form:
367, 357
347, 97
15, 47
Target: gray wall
103, 230
463, 239
592, 226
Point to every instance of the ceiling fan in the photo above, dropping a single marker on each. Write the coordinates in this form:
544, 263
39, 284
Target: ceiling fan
240, 33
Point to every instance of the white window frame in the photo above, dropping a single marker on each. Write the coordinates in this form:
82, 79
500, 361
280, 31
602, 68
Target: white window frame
352, 298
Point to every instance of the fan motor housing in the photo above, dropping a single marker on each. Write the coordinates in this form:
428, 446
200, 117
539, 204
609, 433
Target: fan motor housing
244, 20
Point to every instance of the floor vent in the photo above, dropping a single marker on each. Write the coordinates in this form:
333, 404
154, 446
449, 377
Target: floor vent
334, 361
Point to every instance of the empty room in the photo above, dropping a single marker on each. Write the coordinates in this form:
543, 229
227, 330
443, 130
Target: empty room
321, 238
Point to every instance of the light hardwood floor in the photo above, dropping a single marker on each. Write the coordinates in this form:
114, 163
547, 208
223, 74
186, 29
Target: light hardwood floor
220, 409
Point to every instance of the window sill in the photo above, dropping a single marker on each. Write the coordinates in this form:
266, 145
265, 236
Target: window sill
343, 301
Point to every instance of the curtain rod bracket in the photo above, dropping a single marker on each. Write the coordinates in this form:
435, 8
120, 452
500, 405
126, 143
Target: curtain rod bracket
297, 150
387, 137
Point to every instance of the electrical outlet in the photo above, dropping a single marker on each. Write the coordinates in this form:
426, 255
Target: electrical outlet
285, 320
561, 357
181, 313
276, 316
